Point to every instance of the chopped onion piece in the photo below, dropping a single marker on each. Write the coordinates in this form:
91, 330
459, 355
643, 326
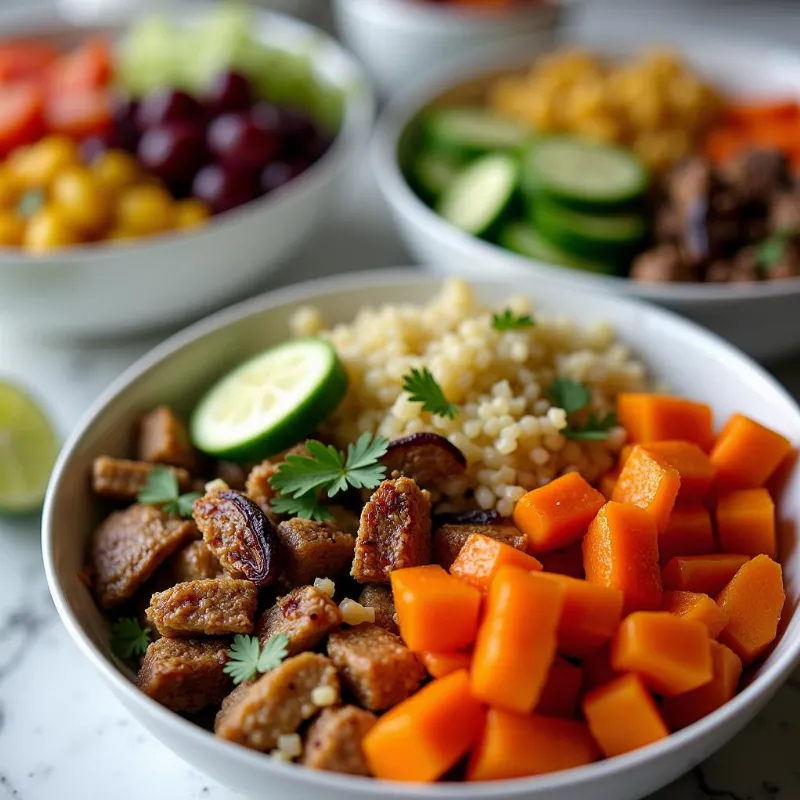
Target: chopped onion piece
354, 613
325, 585
323, 696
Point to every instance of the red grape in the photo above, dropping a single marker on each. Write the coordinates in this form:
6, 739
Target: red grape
173, 151
267, 117
279, 173
231, 91
168, 105
125, 130
235, 140
223, 188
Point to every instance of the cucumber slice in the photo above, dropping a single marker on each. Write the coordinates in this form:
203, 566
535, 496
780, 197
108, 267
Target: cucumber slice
594, 236
434, 172
520, 237
582, 174
476, 199
473, 131
270, 402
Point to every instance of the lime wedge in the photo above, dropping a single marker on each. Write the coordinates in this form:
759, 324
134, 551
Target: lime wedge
28, 450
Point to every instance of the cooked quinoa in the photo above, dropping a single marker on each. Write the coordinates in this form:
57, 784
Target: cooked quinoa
506, 426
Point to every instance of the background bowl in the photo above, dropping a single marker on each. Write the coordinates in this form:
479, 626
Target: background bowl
399, 40
760, 318
691, 360
167, 279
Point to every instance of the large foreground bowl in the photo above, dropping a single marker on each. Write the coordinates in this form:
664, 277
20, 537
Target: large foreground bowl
760, 318
692, 361
171, 278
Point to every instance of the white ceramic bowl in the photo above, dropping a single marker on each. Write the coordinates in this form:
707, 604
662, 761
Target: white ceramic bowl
693, 361
400, 40
169, 279
760, 318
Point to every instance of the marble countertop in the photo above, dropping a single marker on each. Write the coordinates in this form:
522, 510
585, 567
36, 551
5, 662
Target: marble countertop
63, 735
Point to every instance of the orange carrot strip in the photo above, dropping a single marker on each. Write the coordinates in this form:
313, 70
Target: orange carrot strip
689, 533
698, 607
562, 691
687, 708
694, 467
423, 737
568, 561
517, 745
441, 664
621, 551
722, 144
623, 716
423, 598
746, 453
516, 642
480, 558
589, 616
746, 523
753, 601
707, 574
753, 114
556, 515
659, 418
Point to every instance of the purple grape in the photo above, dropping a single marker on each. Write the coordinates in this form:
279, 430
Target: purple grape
168, 105
126, 131
223, 188
235, 140
279, 173
267, 117
173, 151
231, 91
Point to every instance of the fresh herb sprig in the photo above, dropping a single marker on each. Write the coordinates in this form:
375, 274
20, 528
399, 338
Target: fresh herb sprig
247, 658
162, 490
423, 388
771, 251
509, 321
573, 397
301, 480
128, 638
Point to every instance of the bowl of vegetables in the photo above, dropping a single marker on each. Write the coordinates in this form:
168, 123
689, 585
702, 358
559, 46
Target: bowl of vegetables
256, 532
171, 160
613, 166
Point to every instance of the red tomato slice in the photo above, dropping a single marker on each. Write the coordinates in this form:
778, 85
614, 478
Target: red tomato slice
25, 61
20, 115
87, 67
79, 113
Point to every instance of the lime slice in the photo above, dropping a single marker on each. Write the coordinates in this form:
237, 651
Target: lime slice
28, 450
270, 402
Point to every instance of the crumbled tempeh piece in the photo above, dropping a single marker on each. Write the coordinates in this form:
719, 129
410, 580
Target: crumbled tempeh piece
375, 665
184, 674
313, 550
163, 439
379, 597
211, 607
306, 615
394, 533
258, 487
277, 703
233, 474
333, 742
194, 563
129, 546
120, 479
449, 539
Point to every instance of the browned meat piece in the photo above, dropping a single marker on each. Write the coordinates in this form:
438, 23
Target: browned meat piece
449, 539
719, 271
276, 704
306, 615
379, 597
194, 563
691, 180
313, 550
185, 675
240, 536
163, 439
235, 475
789, 264
394, 533
211, 607
334, 741
755, 175
662, 264
120, 479
784, 212
375, 665
258, 487
345, 521
427, 458
128, 548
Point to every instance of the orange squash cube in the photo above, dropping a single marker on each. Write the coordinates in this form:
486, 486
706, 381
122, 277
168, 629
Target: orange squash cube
481, 557
689, 532
659, 418
706, 574
746, 523
698, 607
693, 465
562, 691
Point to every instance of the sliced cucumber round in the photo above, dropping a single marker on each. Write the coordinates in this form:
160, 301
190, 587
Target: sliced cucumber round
594, 236
270, 402
480, 194
473, 131
520, 237
434, 172
582, 174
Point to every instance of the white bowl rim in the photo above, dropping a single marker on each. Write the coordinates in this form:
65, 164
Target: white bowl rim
771, 678
547, 11
404, 107
354, 129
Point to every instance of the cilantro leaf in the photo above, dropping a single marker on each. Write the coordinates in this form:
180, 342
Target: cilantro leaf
771, 251
246, 658
569, 395
162, 490
128, 638
363, 469
595, 430
423, 388
508, 321
186, 503
308, 506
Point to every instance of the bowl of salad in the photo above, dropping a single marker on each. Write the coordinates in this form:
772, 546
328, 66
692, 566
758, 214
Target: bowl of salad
174, 160
668, 174
255, 534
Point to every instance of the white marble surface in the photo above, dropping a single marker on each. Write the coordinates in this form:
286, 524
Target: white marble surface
62, 735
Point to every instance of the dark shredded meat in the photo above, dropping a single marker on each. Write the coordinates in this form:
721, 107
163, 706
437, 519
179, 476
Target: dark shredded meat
379, 597
163, 439
664, 263
306, 615
449, 539
333, 742
313, 550
120, 479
